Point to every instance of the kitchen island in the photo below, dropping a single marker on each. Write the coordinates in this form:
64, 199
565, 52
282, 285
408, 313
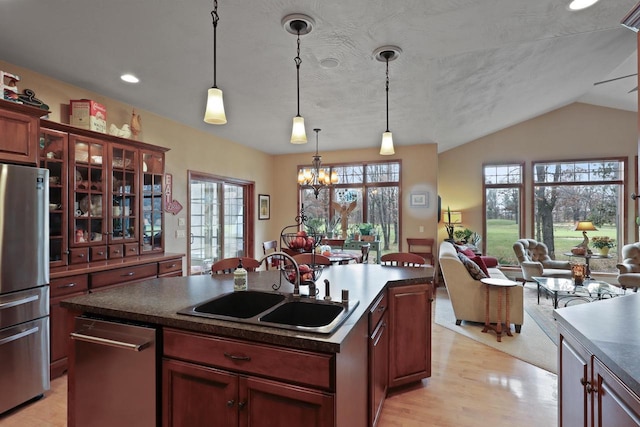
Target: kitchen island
297, 377
599, 363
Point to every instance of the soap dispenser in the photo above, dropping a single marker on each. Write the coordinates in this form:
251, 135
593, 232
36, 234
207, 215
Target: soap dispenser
240, 278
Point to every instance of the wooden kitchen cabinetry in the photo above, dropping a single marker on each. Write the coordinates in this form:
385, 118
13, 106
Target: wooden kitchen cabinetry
590, 394
378, 356
110, 195
243, 384
409, 333
19, 126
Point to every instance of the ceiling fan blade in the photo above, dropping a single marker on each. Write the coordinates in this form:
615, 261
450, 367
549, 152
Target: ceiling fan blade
613, 80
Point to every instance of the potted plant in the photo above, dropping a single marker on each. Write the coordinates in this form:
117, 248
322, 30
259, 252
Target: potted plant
603, 244
365, 228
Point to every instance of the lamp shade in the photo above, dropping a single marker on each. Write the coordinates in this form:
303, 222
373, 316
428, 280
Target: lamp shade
585, 226
452, 217
214, 113
386, 148
298, 132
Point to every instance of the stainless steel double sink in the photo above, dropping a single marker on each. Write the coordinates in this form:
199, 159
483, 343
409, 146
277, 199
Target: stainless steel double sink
276, 310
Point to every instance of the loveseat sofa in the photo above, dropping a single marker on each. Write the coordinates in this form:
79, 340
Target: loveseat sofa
468, 295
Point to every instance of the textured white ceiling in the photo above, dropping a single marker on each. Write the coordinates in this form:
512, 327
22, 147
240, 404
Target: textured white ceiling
468, 67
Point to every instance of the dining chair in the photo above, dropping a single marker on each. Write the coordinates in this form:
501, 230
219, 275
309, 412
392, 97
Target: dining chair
364, 253
267, 248
227, 265
307, 258
334, 243
404, 259
422, 247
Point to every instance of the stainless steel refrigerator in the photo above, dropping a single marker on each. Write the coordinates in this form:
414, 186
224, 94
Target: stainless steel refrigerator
24, 279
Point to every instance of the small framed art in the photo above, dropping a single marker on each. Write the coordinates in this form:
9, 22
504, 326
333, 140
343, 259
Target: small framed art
419, 199
264, 206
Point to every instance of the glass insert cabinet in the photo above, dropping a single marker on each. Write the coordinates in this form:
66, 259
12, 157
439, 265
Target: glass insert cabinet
106, 195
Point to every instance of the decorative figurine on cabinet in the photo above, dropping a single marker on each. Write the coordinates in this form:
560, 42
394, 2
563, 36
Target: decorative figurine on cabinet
9, 83
136, 125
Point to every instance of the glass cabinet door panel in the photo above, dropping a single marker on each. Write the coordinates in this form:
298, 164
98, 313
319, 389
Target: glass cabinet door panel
123, 190
152, 202
53, 156
87, 199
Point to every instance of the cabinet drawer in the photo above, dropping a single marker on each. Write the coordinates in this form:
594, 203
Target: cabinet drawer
377, 311
78, 255
122, 275
98, 253
296, 366
171, 266
116, 251
131, 249
68, 285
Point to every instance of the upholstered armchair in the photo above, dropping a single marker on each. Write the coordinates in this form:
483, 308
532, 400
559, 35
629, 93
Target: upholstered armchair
535, 261
629, 268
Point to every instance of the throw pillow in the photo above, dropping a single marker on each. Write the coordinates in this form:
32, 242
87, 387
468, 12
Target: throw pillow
474, 271
465, 250
480, 261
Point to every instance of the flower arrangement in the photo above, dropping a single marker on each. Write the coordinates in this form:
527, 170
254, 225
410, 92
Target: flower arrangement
600, 242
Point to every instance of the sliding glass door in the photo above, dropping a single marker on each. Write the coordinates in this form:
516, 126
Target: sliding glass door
219, 220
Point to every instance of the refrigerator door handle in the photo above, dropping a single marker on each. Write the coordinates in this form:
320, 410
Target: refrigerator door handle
112, 343
19, 335
20, 301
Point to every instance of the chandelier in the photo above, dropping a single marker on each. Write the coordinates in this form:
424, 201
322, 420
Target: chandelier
316, 178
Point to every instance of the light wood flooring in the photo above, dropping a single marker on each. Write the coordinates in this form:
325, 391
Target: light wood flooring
471, 385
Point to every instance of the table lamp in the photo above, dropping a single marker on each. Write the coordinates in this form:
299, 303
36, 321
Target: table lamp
585, 226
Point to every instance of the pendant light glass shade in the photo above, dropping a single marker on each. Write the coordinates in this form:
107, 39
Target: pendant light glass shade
298, 132
214, 113
386, 148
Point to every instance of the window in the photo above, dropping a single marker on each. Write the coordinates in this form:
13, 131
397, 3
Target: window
218, 220
503, 210
567, 192
366, 193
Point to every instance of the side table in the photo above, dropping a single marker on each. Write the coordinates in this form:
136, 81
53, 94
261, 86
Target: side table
502, 286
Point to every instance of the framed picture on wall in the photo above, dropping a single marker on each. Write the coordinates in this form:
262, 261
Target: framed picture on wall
419, 199
264, 206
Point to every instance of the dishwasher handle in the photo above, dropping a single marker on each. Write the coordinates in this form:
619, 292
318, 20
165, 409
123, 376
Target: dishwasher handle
110, 342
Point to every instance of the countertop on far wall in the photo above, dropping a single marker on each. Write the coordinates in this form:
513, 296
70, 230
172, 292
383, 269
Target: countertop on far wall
157, 301
610, 330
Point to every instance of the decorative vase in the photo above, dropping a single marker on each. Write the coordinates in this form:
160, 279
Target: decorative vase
604, 251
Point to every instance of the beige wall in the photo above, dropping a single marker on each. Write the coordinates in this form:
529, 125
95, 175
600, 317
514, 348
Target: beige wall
195, 150
577, 131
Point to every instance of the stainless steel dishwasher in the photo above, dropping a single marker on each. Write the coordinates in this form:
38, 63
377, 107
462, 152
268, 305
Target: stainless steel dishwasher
113, 379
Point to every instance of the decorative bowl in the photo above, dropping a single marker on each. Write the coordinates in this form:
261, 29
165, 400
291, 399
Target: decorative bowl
301, 241
308, 273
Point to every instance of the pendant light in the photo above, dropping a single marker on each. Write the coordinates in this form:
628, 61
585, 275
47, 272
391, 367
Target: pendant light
317, 178
299, 25
214, 114
386, 54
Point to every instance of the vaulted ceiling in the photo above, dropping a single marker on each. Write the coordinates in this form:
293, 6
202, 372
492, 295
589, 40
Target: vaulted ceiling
468, 67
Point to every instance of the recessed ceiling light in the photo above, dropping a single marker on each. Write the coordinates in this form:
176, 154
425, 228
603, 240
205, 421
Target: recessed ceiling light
581, 4
129, 78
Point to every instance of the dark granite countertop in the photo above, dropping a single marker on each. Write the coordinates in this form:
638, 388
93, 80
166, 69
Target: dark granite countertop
610, 330
157, 302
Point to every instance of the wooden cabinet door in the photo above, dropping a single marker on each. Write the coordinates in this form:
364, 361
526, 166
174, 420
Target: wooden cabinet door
198, 396
19, 125
575, 404
409, 333
152, 202
122, 195
378, 368
615, 405
265, 403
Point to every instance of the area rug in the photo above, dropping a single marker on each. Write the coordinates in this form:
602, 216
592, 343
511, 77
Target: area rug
541, 313
532, 345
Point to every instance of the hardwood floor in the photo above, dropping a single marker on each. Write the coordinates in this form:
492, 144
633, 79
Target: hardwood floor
472, 385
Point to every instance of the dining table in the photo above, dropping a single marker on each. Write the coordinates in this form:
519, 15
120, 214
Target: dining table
341, 257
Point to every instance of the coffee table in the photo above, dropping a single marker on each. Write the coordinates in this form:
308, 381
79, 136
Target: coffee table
590, 290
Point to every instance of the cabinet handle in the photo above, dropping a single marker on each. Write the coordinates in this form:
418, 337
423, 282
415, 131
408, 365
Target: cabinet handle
231, 402
234, 357
80, 255
381, 308
68, 285
129, 274
132, 249
101, 253
242, 404
172, 265
584, 381
591, 388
